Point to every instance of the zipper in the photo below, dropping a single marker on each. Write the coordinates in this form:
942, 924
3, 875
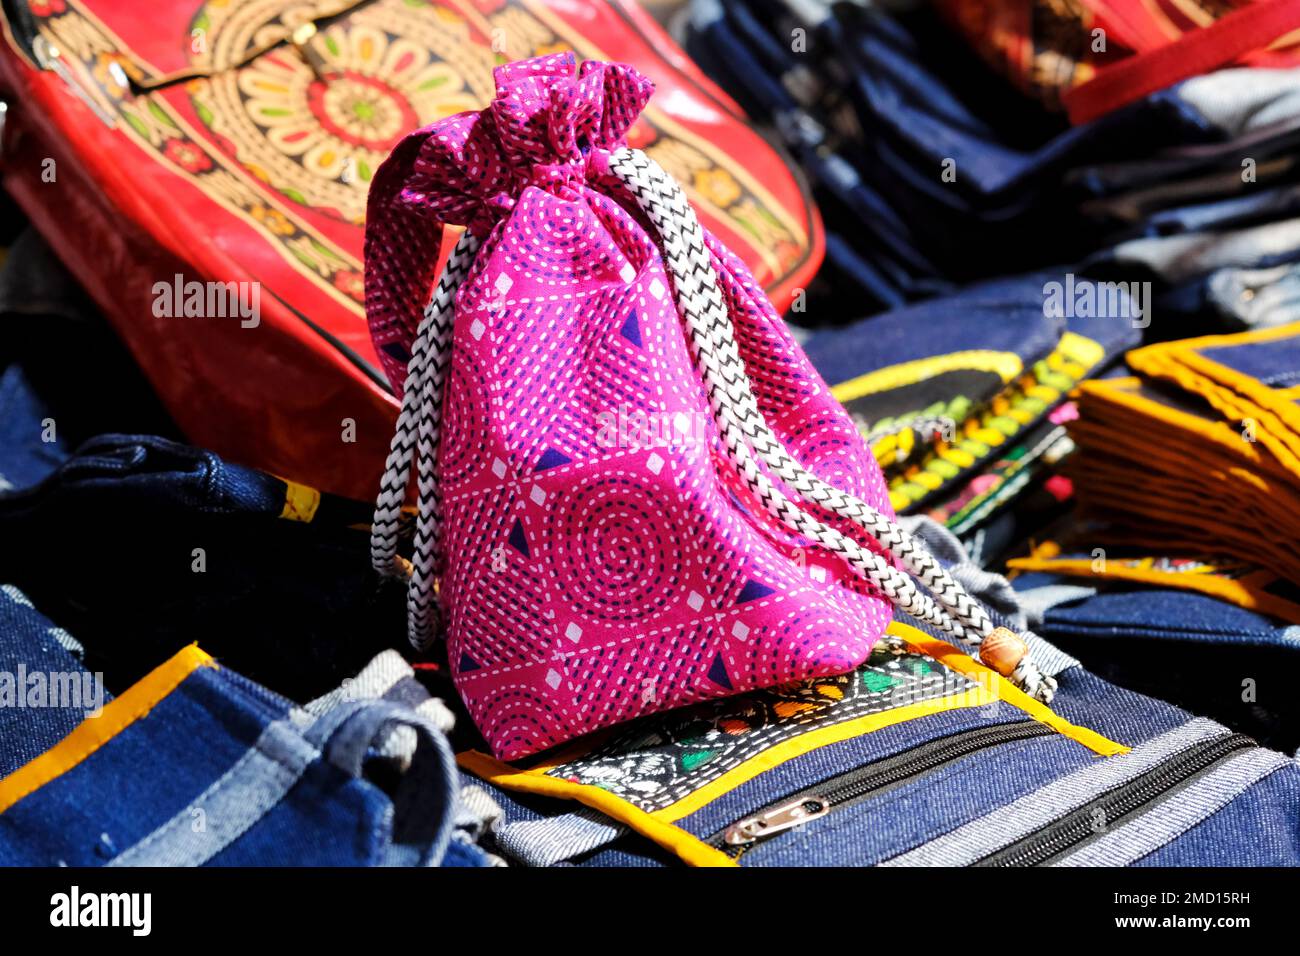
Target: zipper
44, 55
1080, 824
300, 39
850, 787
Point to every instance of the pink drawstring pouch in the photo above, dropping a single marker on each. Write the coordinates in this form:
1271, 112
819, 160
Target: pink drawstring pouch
631, 483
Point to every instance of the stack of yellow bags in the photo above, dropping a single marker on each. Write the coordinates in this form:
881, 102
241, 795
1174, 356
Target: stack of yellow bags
1201, 452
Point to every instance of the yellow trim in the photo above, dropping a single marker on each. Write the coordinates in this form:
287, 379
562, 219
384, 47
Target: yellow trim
300, 501
1006, 365
659, 825
787, 750
689, 848
94, 732
1208, 581
1235, 394
1125, 394
949, 656
1265, 396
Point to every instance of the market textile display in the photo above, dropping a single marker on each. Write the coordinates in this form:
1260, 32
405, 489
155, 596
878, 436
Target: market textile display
430, 434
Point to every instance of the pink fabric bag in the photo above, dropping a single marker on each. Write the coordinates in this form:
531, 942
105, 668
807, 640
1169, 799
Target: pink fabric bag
575, 400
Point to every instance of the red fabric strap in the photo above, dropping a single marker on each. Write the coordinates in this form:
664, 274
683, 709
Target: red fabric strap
1201, 51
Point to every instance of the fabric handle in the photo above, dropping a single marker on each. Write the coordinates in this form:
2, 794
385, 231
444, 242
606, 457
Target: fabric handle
1201, 51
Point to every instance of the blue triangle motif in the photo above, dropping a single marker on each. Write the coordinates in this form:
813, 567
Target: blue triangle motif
752, 591
552, 459
631, 330
517, 539
718, 673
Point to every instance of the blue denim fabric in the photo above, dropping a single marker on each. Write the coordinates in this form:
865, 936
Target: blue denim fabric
919, 98
879, 102
1275, 364
893, 822
30, 642
898, 820
222, 772
292, 604
1003, 315
102, 538
1182, 257
1118, 611
1260, 205
25, 458
1189, 648
1255, 298
1008, 315
1234, 299
1264, 825
1085, 699
970, 791
64, 375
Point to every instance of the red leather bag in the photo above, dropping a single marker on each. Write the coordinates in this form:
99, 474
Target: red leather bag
234, 142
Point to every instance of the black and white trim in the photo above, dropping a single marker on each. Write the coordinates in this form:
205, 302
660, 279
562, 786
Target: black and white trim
419, 427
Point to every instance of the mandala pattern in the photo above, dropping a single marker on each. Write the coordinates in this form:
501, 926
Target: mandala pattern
659, 760
604, 563
316, 128
610, 554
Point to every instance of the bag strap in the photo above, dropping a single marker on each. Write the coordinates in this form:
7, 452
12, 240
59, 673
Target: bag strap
1253, 27
746, 436
417, 435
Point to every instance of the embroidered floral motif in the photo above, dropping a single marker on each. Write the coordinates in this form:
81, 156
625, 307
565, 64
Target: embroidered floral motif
659, 760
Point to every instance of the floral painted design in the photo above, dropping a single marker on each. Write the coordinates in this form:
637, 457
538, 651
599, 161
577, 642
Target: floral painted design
317, 139
274, 220
110, 70
718, 186
316, 128
351, 283
46, 8
187, 155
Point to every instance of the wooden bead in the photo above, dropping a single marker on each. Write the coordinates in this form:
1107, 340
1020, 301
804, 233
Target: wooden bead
1002, 651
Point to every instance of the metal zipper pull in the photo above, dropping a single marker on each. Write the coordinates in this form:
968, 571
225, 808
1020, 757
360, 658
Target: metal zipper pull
301, 40
784, 817
49, 58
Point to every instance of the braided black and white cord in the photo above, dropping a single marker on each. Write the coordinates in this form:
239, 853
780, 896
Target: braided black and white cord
416, 438
743, 428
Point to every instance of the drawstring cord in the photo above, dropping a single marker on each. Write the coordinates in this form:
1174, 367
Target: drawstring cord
745, 434
743, 428
419, 428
